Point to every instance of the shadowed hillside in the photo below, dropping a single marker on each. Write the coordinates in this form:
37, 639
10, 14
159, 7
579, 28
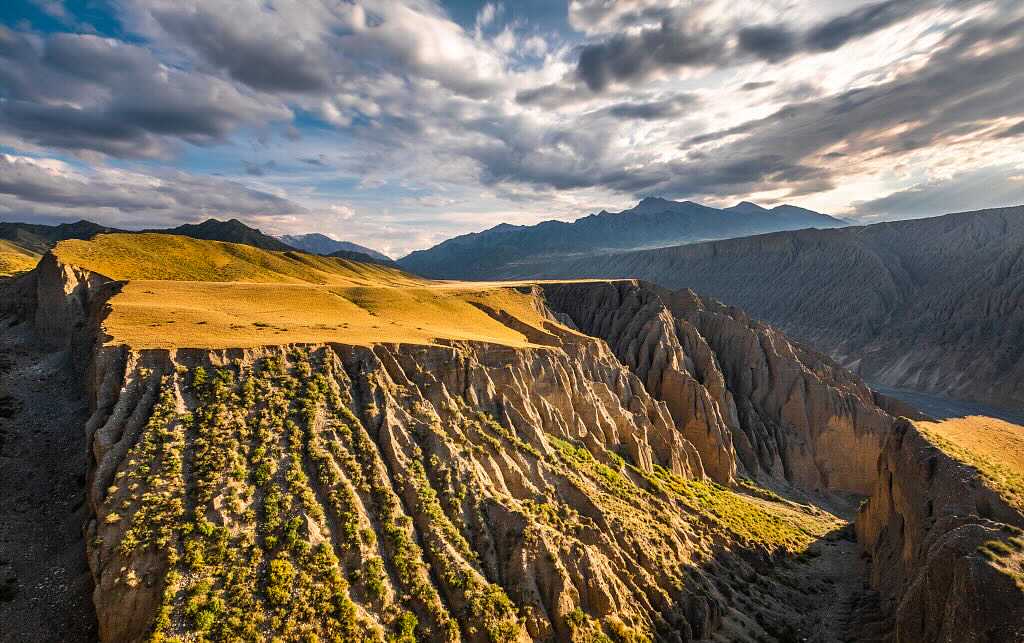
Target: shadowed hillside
931, 304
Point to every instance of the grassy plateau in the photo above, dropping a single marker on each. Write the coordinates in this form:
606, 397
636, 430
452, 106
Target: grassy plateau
183, 292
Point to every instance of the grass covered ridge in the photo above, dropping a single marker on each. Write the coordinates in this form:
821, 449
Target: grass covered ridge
183, 292
992, 446
15, 259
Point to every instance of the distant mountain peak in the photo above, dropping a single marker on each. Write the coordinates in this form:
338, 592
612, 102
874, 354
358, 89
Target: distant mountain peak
322, 244
748, 206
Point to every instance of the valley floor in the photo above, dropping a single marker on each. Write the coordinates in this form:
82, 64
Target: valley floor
942, 408
45, 586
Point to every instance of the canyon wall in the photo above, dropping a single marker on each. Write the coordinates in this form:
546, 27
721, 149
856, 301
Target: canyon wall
751, 400
945, 550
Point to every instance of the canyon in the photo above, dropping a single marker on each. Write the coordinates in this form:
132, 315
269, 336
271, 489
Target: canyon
571, 460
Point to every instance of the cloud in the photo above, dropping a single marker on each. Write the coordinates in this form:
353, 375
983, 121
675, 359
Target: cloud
988, 187
28, 183
635, 56
283, 64
652, 110
83, 92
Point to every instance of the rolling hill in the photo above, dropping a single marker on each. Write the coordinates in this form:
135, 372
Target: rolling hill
507, 251
38, 238
232, 231
931, 304
182, 292
321, 244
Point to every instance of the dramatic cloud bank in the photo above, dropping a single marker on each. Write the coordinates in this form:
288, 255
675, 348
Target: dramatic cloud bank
397, 123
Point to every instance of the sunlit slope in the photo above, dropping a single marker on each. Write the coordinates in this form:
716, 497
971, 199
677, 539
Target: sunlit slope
14, 259
182, 292
992, 446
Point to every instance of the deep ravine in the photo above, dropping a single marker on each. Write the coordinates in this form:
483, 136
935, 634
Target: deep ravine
45, 585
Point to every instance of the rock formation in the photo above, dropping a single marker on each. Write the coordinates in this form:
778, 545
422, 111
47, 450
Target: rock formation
741, 392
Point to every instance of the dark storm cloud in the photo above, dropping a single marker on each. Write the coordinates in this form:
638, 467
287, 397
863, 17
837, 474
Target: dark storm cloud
775, 43
678, 42
755, 85
959, 92
973, 77
833, 34
267, 64
771, 43
636, 55
126, 103
1010, 132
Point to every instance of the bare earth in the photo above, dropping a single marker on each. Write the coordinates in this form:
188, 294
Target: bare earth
45, 586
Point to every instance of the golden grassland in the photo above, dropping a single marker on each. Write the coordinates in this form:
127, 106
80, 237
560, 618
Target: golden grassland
992, 446
183, 292
14, 259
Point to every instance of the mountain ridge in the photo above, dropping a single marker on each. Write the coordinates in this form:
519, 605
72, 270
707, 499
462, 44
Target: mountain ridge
322, 244
654, 221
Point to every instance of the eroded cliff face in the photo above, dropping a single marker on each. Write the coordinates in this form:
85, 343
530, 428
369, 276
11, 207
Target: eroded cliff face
644, 335
748, 398
946, 551
452, 492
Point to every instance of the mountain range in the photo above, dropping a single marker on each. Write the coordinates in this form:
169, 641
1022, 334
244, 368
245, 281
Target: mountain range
654, 222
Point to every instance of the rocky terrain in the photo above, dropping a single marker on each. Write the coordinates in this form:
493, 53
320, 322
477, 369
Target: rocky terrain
933, 305
505, 249
644, 465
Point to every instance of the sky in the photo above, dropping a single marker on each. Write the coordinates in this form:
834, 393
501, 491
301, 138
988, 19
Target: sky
400, 123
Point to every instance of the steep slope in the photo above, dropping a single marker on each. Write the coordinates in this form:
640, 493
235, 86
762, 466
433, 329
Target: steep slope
932, 304
448, 490
15, 259
751, 401
321, 244
232, 231
506, 251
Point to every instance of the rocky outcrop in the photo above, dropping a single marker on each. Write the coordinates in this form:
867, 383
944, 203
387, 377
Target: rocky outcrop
945, 551
747, 397
645, 336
